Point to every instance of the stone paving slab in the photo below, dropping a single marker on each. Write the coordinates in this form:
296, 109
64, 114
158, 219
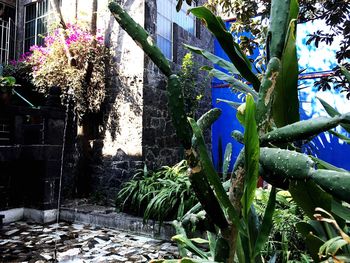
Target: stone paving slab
33, 243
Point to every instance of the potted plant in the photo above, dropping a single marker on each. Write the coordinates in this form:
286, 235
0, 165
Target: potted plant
6, 85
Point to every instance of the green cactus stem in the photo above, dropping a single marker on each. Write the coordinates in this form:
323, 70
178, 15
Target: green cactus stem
141, 37
279, 21
208, 118
333, 182
303, 129
267, 89
238, 136
286, 164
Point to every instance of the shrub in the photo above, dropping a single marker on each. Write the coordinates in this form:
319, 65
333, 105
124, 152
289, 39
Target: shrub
284, 240
50, 66
162, 195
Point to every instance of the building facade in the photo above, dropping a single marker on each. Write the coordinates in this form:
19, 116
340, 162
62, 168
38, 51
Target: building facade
136, 127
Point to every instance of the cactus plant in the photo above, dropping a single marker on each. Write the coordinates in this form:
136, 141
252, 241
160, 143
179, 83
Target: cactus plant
267, 125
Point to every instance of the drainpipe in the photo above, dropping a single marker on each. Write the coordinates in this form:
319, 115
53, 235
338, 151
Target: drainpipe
16, 26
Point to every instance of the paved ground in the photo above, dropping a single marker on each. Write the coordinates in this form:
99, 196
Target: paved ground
25, 242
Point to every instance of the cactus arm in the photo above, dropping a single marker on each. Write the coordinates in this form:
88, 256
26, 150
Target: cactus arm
264, 104
302, 129
333, 182
177, 110
279, 21
213, 178
238, 136
180, 231
208, 118
227, 161
285, 163
276, 181
141, 37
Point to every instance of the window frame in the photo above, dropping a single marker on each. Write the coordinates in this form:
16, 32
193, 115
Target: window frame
172, 21
36, 19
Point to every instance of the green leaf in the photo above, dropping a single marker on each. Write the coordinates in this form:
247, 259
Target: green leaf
324, 165
227, 160
332, 246
199, 240
313, 242
333, 112
266, 224
340, 210
214, 59
212, 243
213, 178
237, 85
346, 73
329, 109
187, 243
340, 136
233, 104
308, 196
226, 41
285, 108
252, 150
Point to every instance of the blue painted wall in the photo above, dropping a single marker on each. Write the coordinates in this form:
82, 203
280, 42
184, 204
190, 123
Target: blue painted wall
325, 146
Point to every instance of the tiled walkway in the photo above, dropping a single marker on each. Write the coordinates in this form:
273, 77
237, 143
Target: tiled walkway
25, 242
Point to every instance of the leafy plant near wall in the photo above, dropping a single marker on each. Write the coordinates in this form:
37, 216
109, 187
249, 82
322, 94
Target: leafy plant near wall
272, 132
284, 243
192, 87
162, 195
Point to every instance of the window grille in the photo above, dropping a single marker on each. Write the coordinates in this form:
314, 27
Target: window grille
7, 33
166, 16
38, 16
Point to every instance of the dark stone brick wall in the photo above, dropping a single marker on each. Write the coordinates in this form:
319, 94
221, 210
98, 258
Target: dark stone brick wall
30, 170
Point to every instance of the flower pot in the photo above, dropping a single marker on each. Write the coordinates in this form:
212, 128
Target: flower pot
5, 95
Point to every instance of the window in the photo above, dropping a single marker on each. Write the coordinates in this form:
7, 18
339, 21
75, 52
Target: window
37, 16
7, 33
166, 16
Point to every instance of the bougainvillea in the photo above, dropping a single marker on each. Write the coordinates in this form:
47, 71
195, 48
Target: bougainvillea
51, 67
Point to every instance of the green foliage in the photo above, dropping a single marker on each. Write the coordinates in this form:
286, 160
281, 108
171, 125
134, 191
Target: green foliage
287, 214
192, 86
21, 71
162, 195
7, 81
